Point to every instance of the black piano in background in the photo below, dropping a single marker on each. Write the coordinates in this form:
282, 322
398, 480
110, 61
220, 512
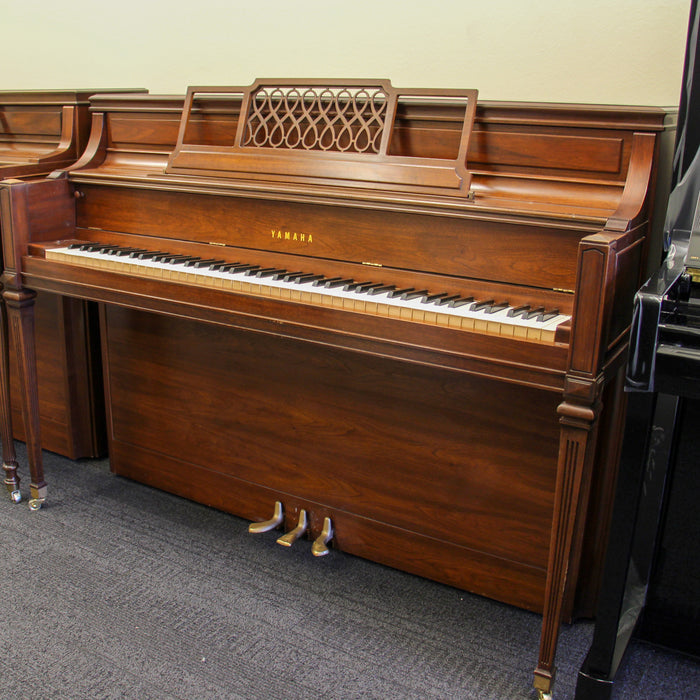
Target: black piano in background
663, 374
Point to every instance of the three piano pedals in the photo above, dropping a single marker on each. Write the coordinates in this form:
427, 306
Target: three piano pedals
319, 547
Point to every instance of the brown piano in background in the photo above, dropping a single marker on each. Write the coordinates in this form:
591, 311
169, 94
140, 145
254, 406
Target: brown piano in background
390, 320
41, 131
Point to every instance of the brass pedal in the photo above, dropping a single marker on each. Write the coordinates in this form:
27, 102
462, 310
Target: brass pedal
293, 535
275, 521
320, 546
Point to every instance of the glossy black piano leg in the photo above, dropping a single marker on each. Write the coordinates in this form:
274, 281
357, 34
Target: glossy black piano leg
9, 458
646, 453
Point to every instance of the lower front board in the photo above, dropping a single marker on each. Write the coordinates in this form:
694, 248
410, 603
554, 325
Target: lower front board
443, 474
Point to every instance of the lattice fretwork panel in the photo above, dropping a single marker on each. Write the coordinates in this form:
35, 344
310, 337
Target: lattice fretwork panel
346, 120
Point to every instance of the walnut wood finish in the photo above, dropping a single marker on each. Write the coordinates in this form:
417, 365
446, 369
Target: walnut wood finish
41, 131
481, 461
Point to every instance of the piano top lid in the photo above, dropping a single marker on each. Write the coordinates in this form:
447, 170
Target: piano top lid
43, 128
58, 97
334, 133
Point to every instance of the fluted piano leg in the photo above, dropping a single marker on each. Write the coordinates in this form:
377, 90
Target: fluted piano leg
20, 308
577, 445
9, 457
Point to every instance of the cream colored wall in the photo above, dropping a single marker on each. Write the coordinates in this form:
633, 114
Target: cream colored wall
598, 51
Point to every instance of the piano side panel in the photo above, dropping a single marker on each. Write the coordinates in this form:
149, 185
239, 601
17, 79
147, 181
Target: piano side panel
453, 473
70, 389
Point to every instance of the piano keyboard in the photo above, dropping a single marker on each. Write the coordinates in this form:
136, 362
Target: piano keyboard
442, 309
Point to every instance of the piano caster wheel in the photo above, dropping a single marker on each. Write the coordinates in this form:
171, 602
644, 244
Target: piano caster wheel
15, 496
271, 524
320, 546
293, 535
542, 695
36, 503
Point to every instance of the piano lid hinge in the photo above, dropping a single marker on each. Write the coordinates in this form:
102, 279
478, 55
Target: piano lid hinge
565, 291
372, 264
223, 245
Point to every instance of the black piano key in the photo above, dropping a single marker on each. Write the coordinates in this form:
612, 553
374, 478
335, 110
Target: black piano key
494, 308
95, 247
110, 250
309, 278
306, 277
241, 267
147, 254
534, 313
447, 300
224, 267
130, 252
482, 305
547, 315
170, 258
461, 301
340, 282
400, 292
199, 264
267, 272
329, 281
367, 287
192, 259
354, 285
433, 298
382, 289
290, 276
518, 311
409, 296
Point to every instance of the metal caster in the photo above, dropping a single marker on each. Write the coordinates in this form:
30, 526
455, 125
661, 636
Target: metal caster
16, 496
35, 503
544, 696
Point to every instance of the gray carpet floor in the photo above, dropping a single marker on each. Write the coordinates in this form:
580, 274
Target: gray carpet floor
117, 590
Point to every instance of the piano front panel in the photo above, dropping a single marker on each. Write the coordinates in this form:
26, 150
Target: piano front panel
539, 256
415, 453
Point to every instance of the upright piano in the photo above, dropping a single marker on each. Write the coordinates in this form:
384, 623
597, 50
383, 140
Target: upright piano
389, 321
40, 131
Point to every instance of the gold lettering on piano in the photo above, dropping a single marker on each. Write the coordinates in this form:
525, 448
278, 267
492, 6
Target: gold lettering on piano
280, 235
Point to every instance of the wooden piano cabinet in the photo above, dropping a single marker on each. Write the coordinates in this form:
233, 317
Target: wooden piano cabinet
461, 450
